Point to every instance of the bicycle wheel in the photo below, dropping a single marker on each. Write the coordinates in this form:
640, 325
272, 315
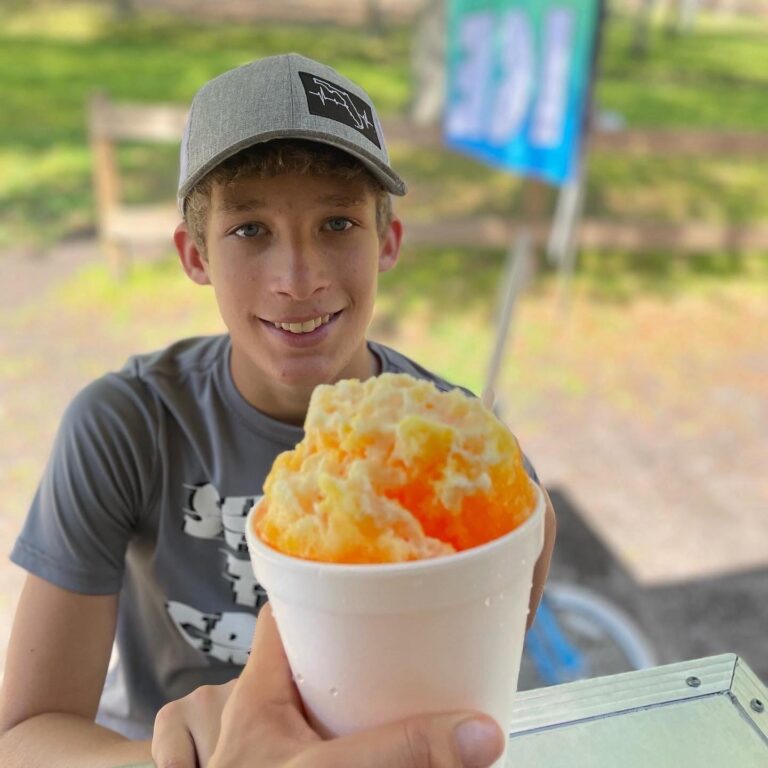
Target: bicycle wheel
580, 634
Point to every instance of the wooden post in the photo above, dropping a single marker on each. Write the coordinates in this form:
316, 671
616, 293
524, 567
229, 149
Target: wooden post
106, 180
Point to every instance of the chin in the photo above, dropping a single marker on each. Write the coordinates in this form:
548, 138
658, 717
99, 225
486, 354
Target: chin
309, 376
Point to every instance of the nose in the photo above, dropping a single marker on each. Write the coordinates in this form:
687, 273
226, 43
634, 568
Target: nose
299, 269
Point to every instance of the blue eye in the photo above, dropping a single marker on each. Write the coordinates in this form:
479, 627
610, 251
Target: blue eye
339, 224
248, 230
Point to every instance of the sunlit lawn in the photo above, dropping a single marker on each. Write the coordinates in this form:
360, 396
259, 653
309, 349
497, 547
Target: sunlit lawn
51, 60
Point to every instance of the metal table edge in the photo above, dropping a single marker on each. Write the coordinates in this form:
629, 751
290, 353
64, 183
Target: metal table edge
581, 700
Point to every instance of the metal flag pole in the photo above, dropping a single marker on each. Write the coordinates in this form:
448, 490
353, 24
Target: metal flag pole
566, 208
505, 140
517, 269
573, 195
563, 241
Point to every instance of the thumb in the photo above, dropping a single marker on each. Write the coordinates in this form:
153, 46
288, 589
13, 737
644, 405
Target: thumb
453, 740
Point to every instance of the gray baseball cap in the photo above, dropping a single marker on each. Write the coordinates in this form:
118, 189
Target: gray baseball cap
281, 97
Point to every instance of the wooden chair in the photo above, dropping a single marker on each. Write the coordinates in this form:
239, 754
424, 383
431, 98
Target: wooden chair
121, 225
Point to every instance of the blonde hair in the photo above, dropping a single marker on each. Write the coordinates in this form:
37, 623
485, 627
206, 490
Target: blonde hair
272, 158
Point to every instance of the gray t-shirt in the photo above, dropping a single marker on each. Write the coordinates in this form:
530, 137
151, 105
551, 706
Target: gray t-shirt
150, 478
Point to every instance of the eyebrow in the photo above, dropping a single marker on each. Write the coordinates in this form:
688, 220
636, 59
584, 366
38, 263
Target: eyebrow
343, 201
237, 205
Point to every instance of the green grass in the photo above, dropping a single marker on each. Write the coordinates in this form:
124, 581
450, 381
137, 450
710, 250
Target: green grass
714, 55
51, 62
54, 55
714, 78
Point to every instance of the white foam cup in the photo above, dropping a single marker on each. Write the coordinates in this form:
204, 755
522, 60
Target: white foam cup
372, 644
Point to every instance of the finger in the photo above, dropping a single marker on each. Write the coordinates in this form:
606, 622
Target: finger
267, 675
264, 718
455, 740
205, 709
172, 744
541, 569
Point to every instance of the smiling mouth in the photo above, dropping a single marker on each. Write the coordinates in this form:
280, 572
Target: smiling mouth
307, 326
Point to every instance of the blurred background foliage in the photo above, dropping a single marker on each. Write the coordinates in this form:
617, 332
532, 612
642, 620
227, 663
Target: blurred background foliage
54, 55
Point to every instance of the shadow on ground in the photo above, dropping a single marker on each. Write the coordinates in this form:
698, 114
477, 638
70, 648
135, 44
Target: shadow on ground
683, 620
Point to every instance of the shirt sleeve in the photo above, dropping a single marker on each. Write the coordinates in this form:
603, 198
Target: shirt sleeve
96, 487
529, 468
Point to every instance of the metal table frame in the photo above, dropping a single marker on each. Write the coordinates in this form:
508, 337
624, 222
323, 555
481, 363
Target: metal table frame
707, 712
710, 711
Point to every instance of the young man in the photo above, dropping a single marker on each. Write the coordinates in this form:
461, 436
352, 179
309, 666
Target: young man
136, 532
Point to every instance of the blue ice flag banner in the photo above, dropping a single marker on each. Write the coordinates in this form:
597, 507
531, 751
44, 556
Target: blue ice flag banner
518, 82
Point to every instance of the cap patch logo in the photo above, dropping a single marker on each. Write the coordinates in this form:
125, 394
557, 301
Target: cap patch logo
327, 99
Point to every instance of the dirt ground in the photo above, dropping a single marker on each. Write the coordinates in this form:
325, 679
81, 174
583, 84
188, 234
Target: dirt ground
660, 455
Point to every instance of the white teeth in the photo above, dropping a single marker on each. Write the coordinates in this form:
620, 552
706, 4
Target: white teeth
305, 327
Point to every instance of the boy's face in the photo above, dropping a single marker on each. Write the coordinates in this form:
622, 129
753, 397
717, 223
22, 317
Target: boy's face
287, 254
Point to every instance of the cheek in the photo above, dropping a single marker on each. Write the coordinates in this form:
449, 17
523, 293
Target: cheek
360, 281
233, 294
359, 271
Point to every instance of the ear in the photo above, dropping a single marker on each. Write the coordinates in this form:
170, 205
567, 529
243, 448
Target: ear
192, 259
389, 251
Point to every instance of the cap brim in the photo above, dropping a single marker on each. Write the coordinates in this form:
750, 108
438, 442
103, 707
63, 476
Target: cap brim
383, 173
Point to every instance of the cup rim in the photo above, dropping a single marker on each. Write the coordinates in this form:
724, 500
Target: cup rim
377, 569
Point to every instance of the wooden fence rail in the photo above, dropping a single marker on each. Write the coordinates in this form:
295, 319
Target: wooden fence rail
633, 141
121, 225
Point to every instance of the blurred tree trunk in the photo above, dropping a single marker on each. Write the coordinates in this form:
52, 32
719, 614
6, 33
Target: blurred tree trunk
687, 10
374, 16
124, 9
428, 63
642, 27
